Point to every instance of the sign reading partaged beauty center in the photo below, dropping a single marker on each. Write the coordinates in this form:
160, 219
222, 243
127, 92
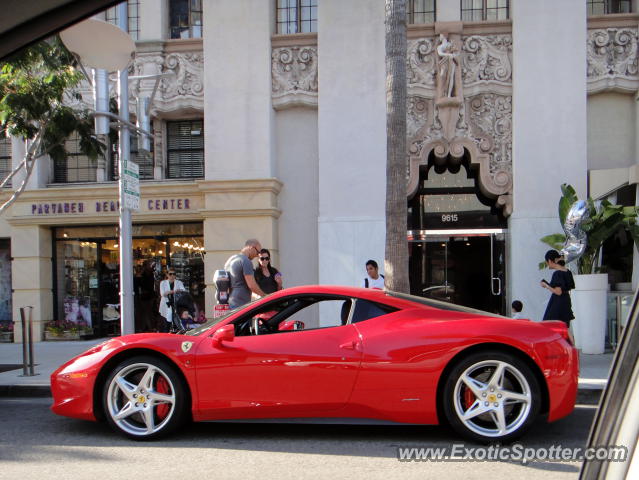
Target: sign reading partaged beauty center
109, 206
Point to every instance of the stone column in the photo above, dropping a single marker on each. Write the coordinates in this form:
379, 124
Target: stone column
32, 277
240, 191
153, 20
351, 139
238, 123
234, 211
549, 133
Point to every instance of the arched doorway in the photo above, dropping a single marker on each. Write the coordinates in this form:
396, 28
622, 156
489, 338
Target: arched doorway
457, 238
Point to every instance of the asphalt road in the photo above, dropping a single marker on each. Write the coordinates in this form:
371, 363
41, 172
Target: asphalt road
36, 444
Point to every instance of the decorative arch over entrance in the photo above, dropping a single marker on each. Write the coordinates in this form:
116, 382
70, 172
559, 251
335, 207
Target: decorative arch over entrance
495, 185
460, 106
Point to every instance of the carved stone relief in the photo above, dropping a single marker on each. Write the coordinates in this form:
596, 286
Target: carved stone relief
184, 90
294, 76
486, 61
421, 69
612, 59
480, 126
490, 120
484, 131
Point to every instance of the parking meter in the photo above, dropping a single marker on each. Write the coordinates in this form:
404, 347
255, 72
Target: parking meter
222, 281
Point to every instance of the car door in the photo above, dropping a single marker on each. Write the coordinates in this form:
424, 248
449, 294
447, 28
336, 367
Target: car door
283, 374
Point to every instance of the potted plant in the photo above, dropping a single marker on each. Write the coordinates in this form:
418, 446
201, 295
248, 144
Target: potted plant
591, 285
65, 330
6, 331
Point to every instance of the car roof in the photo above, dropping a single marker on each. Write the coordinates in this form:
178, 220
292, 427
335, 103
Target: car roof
388, 297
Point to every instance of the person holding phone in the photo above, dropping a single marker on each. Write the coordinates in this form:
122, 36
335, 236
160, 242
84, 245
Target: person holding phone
559, 305
267, 277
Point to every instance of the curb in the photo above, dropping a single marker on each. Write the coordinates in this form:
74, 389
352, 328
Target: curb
589, 396
25, 391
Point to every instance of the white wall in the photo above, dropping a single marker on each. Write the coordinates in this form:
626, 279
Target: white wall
611, 131
549, 132
297, 168
352, 138
238, 117
154, 19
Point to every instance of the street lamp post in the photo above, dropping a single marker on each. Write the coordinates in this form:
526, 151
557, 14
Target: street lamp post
108, 48
126, 242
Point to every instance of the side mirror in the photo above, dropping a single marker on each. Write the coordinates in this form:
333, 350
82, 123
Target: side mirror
291, 325
224, 334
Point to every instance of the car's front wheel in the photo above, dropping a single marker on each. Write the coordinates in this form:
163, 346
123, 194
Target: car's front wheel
491, 396
144, 398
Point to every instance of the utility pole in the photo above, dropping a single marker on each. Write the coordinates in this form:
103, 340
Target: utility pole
124, 152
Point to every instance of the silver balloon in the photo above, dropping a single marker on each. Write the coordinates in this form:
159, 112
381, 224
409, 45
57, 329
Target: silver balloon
576, 238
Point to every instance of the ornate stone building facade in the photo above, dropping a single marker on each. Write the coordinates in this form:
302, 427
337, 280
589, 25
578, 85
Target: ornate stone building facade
283, 137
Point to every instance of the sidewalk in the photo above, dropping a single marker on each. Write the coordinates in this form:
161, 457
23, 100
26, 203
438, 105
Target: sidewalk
50, 355
47, 357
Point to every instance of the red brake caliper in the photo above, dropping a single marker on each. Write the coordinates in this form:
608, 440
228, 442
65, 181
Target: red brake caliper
469, 397
162, 410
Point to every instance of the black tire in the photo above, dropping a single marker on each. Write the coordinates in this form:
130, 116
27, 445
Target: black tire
502, 414
144, 398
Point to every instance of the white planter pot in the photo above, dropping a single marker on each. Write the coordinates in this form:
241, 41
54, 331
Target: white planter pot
589, 306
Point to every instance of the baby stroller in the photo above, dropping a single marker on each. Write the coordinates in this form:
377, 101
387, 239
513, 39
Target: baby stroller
183, 310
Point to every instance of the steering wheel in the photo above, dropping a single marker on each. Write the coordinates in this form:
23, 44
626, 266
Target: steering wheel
259, 327
255, 326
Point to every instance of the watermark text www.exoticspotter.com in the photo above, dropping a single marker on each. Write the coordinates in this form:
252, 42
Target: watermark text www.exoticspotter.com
459, 452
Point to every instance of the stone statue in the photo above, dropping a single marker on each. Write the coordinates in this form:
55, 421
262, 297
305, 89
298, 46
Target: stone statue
448, 65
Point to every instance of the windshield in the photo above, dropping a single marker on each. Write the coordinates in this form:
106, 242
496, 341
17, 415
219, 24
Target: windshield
211, 323
442, 305
205, 326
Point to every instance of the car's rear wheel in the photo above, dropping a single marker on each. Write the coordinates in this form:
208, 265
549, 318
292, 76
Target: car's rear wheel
491, 396
144, 398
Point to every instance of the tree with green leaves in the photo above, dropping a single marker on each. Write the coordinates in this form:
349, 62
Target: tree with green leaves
396, 256
33, 85
603, 221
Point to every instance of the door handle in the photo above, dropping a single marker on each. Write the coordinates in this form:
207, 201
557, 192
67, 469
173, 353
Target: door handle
353, 345
348, 345
492, 286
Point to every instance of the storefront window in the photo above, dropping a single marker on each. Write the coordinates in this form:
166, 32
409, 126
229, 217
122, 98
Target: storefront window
88, 272
77, 295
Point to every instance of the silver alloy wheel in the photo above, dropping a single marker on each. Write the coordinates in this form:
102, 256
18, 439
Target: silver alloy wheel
502, 398
133, 399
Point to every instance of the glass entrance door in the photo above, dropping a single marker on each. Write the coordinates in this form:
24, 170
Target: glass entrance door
465, 268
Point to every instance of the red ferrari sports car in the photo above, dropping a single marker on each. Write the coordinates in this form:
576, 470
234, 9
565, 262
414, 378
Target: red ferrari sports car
330, 353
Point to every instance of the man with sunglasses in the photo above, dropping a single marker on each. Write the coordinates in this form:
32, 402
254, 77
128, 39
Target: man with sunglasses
241, 271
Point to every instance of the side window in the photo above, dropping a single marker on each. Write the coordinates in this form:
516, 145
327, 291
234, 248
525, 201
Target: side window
365, 310
321, 312
265, 317
295, 313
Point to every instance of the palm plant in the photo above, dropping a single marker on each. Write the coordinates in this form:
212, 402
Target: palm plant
604, 220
